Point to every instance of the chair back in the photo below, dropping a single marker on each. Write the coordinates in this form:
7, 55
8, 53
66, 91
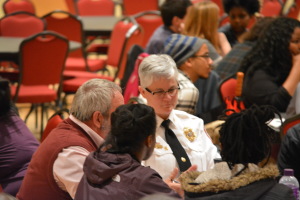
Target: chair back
96, 7
149, 21
126, 33
11, 6
230, 90
21, 24
271, 8
67, 25
132, 85
53, 121
289, 123
41, 54
42, 59
131, 7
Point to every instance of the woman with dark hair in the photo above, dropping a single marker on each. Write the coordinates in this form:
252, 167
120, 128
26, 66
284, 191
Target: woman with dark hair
272, 67
114, 171
240, 12
245, 172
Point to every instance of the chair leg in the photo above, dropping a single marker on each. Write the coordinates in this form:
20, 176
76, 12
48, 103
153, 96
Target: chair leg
30, 111
42, 118
36, 116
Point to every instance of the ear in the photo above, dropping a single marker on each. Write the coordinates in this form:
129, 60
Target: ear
149, 141
97, 119
142, 91
188, 63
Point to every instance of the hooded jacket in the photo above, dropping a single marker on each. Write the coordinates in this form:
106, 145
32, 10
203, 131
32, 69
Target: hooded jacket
224, 183
118, 176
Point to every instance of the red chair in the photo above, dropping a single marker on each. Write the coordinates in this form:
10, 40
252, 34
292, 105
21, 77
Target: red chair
149, 21
11, 6
53, 121
131, 7
21, 24
42, 59
125, 34
71, 27
289, 123
271, 8
230, 90
95, 7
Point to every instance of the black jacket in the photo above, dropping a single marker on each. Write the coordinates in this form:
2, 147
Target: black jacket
289, 152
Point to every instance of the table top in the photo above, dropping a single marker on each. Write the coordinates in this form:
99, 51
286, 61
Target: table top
98, 25
9, 47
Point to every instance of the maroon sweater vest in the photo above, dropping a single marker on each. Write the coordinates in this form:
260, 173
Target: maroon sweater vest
39, 182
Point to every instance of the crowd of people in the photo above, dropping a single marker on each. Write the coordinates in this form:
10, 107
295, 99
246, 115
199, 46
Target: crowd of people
160, 149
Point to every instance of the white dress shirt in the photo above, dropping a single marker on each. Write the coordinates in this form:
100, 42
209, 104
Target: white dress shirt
200, 150
68, 166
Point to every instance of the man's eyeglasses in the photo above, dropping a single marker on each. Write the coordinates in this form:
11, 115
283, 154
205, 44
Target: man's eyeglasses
206, 56
161, 93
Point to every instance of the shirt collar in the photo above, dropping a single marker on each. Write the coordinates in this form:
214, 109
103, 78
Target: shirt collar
95, 137
171, 117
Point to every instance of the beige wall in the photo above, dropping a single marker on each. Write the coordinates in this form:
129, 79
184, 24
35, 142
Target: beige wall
1, 9
43, 7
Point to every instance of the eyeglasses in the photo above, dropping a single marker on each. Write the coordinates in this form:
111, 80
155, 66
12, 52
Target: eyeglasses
206, 56
161, 93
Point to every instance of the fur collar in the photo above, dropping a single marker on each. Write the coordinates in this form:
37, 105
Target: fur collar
223, 183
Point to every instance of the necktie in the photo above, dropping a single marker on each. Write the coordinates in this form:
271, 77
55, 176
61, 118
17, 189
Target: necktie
178, 151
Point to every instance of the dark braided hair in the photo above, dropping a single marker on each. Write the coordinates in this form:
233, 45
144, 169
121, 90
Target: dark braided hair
271, 52
246, 137
131, 124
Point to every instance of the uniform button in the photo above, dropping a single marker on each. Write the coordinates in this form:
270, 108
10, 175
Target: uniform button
183, 159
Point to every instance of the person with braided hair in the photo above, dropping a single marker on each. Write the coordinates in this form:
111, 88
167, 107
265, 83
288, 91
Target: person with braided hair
114, 171
244, 172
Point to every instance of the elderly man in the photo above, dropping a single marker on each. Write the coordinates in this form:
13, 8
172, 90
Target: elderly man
181, 140
56, 168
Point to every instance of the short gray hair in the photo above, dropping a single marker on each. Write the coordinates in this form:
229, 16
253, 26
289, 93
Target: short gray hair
93, 95
155, 67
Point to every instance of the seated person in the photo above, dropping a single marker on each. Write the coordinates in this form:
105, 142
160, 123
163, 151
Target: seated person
17, 144
56, 167
240, 13
192, 57
172, 14
230, 64
289, 151
244, 172
114, 171
181, 140
272, 66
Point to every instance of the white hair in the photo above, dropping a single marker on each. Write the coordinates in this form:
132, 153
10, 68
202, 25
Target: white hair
93, 95
155, 67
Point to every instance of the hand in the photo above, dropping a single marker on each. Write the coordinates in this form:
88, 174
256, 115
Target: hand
173, 183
